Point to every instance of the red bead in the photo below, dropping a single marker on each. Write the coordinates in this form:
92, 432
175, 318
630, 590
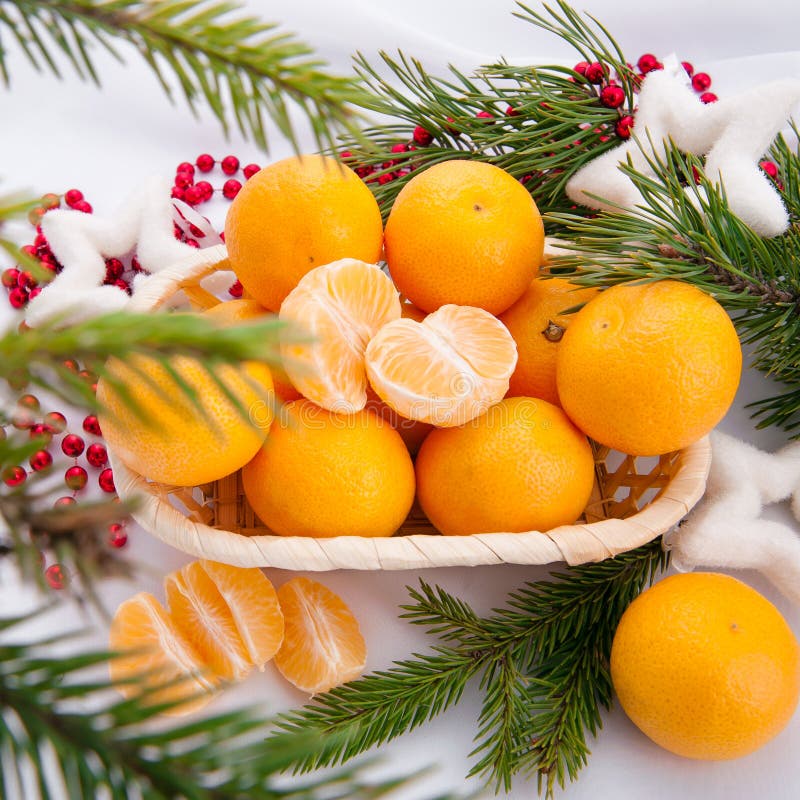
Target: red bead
386, 177
177, 193
41, 431
484, 115
236, 289
647, 63
26, 281
701, 81
250, 170
10, 277
205, 189
83, 206
196, 232
23, 418
182, 180
14, 476
76, 478
205, 163
400, 147
18, 297
770, 167
40, 460
229, 165
364, 172
91, 425
72, 445
64, 501
708, 97
71, 364
612, 96
192, 243
185, 167
595, 73
30, 401
114, 269
581, 67
122, 284
116, 535
106, 480
34, 292
97, 455
192, 196
688, 67
56, 422
422, 136
51, 200
231, 188
345, 154
73, 196
512, 112
55, 577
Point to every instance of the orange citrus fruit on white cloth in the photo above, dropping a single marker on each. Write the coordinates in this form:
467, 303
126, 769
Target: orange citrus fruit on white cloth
184, 441
325, 474
157, 656
240, 312
464, 232
445, 370
648, 369
522, 466
338, 307
706, 666
323, 646
295, 215
537, 323
230, 615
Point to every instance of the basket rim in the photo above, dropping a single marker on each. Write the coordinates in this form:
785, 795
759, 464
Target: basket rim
574, 544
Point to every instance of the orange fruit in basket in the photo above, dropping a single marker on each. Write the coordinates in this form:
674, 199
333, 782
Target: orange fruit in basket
295, 215
323, 646
537, 323
183, 441
242, 311
230, 615
647, 369
445, 370
324, 474
464, 232
338, 307
522, 466
158, 657
706, 666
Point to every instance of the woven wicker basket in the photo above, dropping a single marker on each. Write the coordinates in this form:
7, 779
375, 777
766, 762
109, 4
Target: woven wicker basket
634, 499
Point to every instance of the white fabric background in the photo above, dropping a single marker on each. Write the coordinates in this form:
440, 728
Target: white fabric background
55, 135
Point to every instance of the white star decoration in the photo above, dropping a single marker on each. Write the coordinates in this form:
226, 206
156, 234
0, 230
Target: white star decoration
727, 529
82, 242
732, 133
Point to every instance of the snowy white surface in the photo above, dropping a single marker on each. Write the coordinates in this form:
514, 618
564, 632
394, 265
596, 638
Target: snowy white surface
57, 135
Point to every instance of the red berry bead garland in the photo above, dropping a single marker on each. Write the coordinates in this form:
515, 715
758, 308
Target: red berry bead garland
40, 460
106, 480
612, 96
97, 455
250, 170
116, 535
55, 577
55, 421
14, 476
76, 478
230, 165
422, 136
596, 72
231, 188
64, 501
91, 425
72, 445
204, 162
701, 81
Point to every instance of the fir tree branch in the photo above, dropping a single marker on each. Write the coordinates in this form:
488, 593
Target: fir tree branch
203, 50
543, 664
558, 122
685, 230
102, 746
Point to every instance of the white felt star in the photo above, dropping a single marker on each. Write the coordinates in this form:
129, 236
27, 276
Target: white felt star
82, 242
732, 133
727, 530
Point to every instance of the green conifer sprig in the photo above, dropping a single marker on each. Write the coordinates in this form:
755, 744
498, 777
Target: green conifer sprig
243, 70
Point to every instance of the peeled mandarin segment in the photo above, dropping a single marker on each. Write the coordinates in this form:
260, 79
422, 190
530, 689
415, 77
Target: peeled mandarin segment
339, 306
445, 370
253, 604
203, 617
323, 646
160, 657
